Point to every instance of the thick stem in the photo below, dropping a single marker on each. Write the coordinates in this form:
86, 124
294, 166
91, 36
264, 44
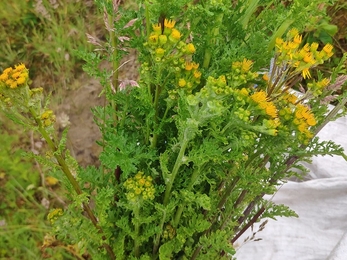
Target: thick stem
180, 209
175, 169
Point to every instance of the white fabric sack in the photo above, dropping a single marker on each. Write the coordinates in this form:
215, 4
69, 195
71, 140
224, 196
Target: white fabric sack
320, 232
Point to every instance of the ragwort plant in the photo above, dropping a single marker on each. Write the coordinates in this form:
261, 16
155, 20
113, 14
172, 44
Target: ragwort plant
189, 150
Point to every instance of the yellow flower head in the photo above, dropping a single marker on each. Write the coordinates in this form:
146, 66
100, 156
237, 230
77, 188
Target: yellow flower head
14, 84
20, 67
15, 75
311, 121
182, 82
189, 66
190, 48
323, 83
266, 77
297, 38
306, 73
153, 39
162, 39
328, 48
309, 58
169, 23
279, 41
4, 77
21, 80
159, 52
157, 28
259, 96
271, 109
293, 33
197, 74
175, 36
314, 46
246, 65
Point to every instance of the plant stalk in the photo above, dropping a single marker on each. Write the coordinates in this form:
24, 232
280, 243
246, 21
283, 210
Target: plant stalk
175, 169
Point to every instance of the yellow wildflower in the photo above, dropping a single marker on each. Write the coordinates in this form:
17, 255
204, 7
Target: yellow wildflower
246, 65
188, 66
4, 77
306, 47
244, 92
190, 48
159, 52
266, 77
153, 39
323, 83
21, 80
306, 73
157, 28
302, 127
169, 23
314, 46
328, 48
309, 58
162, 39
297, 38
16, 75
182, 83
9, 82
259, 96
311, 121
7, 70
197, 74
271, 109
51, 181
13, 84
20, 67
195, 65
293, 32
175, 35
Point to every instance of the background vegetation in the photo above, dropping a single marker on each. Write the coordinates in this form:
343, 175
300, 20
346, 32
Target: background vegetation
45, 35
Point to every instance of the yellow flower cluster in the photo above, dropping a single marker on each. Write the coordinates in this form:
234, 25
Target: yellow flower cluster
54, 215
216, 87
139, 187
241, 72
304, 119
169, 232
261, 99
162, 40
16, 77
48, 118
190, 76
167, 48
304, 58
316, 87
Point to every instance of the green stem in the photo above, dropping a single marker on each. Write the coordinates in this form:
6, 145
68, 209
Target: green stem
157, 238
175, 169
115, 65
180, 209
64, 167
148, 20
207, 58
137, 230
155, 104
331, 115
